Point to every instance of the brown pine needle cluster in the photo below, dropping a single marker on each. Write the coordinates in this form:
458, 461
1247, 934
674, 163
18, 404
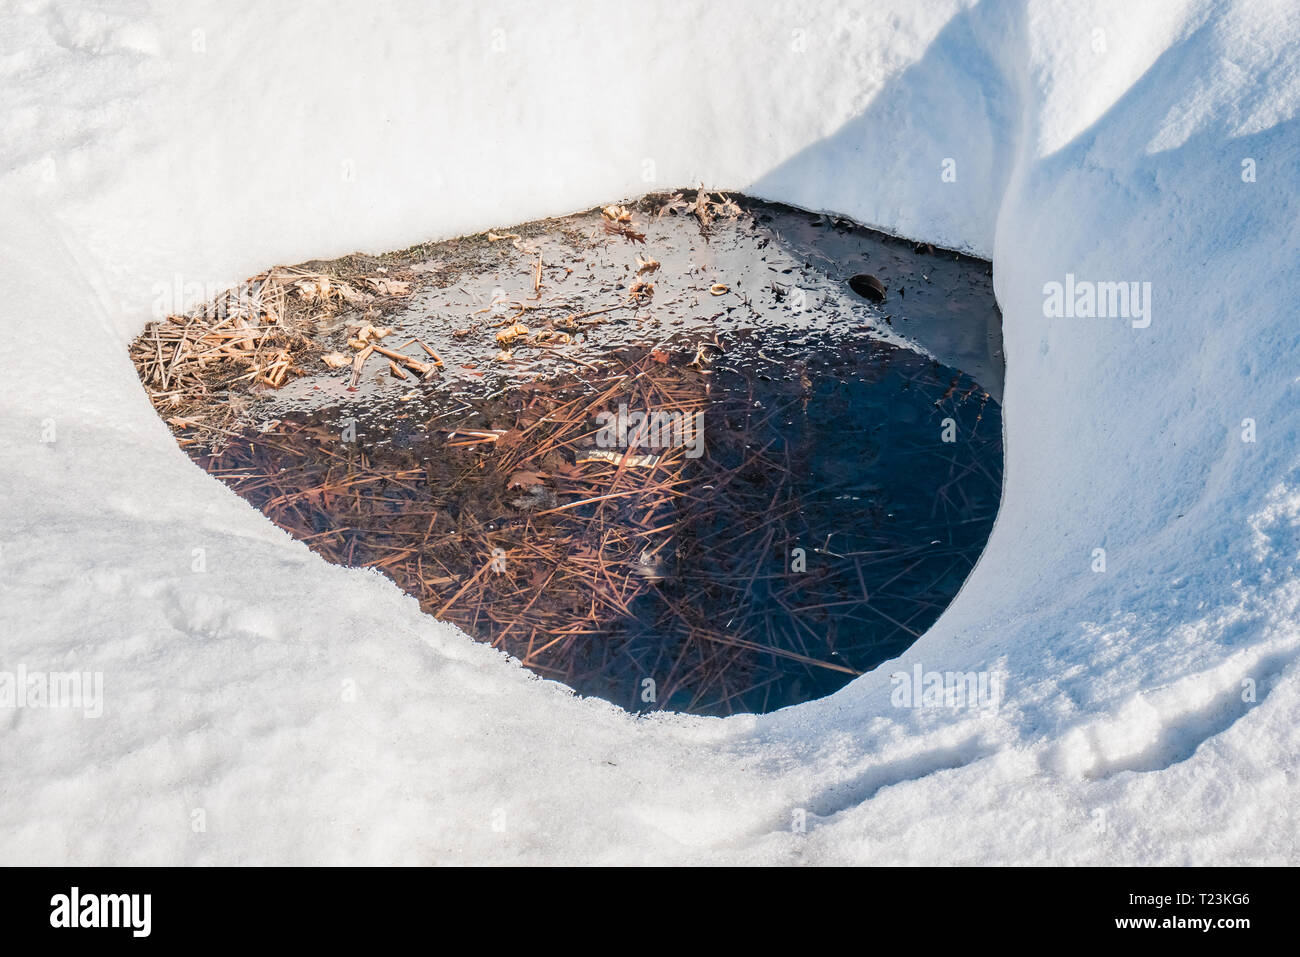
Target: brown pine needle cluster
257, 334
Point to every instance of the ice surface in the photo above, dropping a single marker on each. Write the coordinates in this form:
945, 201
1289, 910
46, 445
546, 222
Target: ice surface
272, 708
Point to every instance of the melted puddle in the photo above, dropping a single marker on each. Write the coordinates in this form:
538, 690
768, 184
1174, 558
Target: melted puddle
732, 491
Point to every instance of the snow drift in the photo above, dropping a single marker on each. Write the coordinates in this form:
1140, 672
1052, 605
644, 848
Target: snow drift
273, 709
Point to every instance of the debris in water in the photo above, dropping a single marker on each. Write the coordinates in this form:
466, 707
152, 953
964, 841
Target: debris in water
612, 480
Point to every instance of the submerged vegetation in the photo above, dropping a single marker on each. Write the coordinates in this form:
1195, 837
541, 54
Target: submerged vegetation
653, 477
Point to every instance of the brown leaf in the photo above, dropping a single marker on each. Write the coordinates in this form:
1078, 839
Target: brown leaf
625, 230
524, 478
354, 296
510, 438
389, 287
674, 204
506, 336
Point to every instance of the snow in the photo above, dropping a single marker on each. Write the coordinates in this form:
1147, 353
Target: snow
271, 708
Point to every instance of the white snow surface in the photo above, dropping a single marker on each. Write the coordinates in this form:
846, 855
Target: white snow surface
143, 141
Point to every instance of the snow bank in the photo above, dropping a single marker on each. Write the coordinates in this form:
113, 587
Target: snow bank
261, 706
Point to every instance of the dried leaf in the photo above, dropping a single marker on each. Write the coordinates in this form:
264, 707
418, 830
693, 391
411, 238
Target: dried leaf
674, 204
506, 336
726, 207
336, 360
701, 209
368, 334
389, 287
310, 289
552, 336
353, 295
510, 439
625, 230
523, 479
641, 290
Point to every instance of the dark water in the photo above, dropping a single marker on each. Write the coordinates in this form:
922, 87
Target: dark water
840, 445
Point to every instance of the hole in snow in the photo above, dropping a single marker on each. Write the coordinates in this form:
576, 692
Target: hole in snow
677, 454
